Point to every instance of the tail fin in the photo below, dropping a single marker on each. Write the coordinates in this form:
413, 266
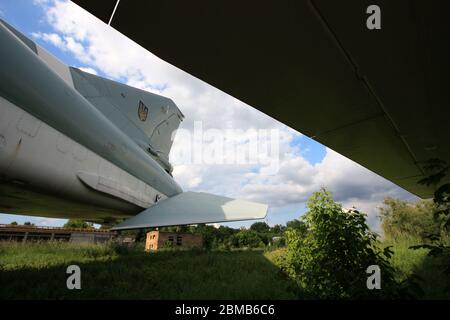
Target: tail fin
149, 119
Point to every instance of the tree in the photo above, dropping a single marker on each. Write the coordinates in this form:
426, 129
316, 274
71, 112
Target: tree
298, 225
180, 228
208, 234
277, 229
260, 227
78, 224
140, 235
28, 224
401, 218
331, 260
14, 223
247, 239
295, 224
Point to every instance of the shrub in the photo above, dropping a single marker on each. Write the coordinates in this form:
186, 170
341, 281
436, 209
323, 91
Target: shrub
402, 219
331, 259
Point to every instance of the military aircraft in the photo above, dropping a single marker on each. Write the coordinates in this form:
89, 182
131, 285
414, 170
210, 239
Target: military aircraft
75, 145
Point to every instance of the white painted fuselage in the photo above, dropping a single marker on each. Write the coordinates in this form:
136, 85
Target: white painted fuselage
38, 164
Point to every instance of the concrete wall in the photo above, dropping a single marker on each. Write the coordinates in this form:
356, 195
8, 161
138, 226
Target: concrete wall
89, 237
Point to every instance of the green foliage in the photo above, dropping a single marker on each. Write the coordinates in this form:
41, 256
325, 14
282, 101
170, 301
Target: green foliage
40, 255
167, 245
405, 219
331, 260
296, 224
247, 239
183, 228
278, 242
14, 223
438, 171
140, 235
278, 229
78, 224
259, 235
299, 226
423, 275
225, 238
261, 227
210, 235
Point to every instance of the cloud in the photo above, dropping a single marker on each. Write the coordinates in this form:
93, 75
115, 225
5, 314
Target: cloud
88, 70
52, 38
351, 184
64, 43
99, 47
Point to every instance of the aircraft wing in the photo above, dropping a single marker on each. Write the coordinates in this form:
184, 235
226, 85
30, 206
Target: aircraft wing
193, 208
378, 97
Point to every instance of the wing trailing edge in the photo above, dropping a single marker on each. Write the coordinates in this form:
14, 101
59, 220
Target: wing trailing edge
193, 208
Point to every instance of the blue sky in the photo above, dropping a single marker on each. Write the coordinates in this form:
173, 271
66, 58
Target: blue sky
81, 40
27, 17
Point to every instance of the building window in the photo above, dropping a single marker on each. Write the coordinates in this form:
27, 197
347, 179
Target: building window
171, 239
179, 239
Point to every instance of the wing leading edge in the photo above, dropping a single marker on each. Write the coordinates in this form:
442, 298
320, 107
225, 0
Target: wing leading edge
193, 208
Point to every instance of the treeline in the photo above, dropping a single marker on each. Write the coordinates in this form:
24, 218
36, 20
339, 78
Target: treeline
258, 235
402, 219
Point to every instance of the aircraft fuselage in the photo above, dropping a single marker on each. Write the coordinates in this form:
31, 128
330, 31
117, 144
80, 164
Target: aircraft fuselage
58, 152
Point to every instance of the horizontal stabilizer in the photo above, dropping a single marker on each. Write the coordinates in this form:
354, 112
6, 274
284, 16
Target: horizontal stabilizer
193, 208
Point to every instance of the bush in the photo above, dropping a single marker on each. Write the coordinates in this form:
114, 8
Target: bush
78, 224
167, 245
331, 259
403, 219
278, 242
247, 239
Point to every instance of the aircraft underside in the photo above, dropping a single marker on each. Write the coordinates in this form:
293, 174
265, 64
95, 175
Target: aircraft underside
41, 173
75, 145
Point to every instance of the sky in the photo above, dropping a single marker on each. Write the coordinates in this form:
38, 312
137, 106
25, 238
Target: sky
284, 177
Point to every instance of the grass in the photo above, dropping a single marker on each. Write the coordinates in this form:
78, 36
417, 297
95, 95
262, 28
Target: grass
38, 270
409, 262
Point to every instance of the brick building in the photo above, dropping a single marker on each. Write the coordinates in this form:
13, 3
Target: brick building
158, 239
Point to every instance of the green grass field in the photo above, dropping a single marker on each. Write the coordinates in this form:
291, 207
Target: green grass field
38, 270
432, 279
